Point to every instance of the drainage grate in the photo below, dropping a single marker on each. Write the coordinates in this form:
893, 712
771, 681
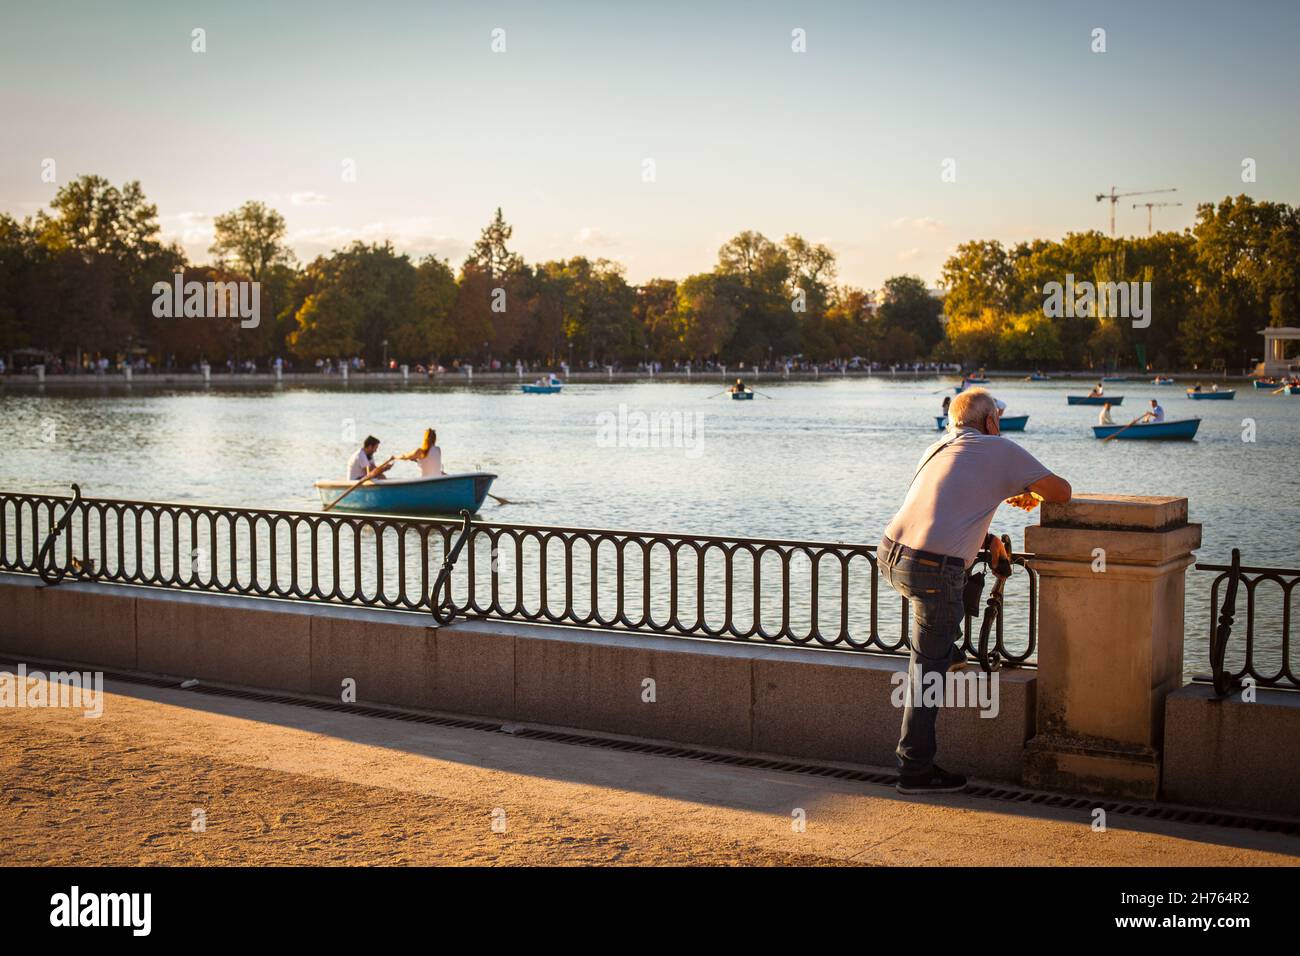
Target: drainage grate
1147, 811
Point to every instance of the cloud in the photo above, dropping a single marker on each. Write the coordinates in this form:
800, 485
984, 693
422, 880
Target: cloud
591, 236
922, 224
188, 228
415, 237
909, 255
308, 198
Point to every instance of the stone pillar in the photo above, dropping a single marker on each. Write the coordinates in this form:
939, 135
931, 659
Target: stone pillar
206, 369
1110, 640
126, 371
343, 368
406, 373
40, 373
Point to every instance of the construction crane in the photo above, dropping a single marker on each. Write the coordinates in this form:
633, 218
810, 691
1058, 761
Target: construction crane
1153, 205
1115, 197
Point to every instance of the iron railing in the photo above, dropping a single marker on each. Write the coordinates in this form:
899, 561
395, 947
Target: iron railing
799, 593
1258, 659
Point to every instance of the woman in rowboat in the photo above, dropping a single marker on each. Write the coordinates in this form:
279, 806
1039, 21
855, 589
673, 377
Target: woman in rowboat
428, 456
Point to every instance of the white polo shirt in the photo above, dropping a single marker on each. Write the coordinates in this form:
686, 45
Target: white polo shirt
951, 502
359, 465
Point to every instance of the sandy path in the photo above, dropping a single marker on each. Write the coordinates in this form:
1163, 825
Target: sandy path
280, 784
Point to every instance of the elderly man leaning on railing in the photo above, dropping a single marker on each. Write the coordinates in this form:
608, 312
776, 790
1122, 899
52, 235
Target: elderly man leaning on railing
929, 548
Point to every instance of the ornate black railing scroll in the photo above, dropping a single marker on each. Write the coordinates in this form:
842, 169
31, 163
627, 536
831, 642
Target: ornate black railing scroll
49, 573
1260, 653
1225, 683
440, 600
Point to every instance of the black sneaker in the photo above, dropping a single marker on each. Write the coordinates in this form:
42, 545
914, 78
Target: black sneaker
934, 780
958, 659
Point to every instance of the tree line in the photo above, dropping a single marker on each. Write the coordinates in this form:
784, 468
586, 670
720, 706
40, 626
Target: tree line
1212, 288
77, 282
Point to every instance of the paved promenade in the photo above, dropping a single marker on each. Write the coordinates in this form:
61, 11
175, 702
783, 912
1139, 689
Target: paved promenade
282, 784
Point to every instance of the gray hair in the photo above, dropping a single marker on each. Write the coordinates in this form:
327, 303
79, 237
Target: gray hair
971, 408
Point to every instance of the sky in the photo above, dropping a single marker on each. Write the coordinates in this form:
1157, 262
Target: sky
651, 132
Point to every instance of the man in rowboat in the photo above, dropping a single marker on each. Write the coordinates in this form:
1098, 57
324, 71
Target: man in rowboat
738, 387
1104, 418
362, 462
929, 547
1098, 391
1155, 413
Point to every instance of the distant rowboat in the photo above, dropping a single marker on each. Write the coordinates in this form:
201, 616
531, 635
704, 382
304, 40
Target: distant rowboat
1094, 399
977, 381
1260, 383
1225, 395
1162, 381
411, 496
1007, 423
746, 396
1181, 430
1036, 377
1293, 389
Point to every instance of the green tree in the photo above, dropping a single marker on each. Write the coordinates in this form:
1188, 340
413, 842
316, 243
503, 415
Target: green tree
908, 306
250, 239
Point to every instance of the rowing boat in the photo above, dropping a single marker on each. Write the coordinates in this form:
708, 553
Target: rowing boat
1162, 381
1260, 383
1094, 399
1007, 423
745, 396
1181, 430
1226, 395
550, 386
411, 496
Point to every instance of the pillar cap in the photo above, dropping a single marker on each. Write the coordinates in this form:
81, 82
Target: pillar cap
1117, 513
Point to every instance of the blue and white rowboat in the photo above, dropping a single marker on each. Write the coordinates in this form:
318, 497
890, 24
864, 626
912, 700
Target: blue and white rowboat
1182, 430
550, 387
411, 496
1226, 395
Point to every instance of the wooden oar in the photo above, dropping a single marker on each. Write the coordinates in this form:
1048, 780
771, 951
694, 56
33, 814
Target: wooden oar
370, 474
1278, 390
1125, 428
757, 392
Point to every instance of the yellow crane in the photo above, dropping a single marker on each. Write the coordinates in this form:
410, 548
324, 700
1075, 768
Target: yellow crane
1115, 197
1153, 205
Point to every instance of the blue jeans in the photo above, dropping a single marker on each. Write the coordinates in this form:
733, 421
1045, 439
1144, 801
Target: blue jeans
935, 593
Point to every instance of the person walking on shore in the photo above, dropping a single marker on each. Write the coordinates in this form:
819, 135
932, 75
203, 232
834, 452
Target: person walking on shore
930, 545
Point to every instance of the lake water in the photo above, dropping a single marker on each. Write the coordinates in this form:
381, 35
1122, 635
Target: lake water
825, 461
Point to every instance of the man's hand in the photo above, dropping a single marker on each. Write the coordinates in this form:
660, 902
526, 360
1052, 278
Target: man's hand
1027, 501
998, 556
